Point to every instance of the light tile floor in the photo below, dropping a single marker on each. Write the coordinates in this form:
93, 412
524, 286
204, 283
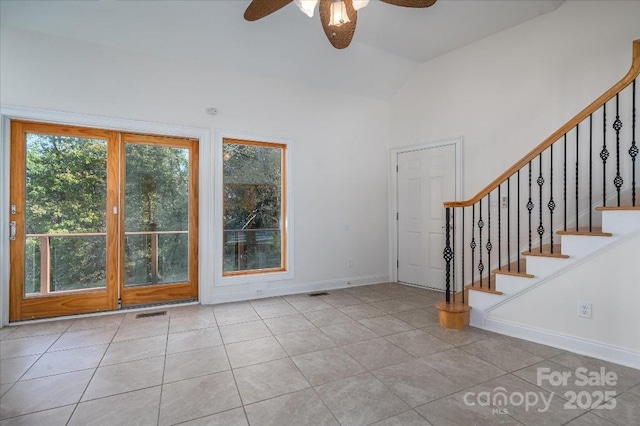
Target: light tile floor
358, 356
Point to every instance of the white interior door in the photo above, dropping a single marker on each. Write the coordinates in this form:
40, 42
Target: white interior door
426, 178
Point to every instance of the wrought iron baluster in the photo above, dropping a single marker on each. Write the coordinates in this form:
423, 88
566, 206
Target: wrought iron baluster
518, 214
590, 172
499, 227
577, 174
473, 244
480, 226
564, 174
489, 245
604, 154
552, 204
633, 151
453, 260
540, 182
462, 255
508, 223
617, 126
530, 206
448, 255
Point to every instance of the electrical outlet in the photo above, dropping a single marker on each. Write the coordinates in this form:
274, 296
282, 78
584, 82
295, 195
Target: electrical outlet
585, 309
259, 291
503, 201
350, 263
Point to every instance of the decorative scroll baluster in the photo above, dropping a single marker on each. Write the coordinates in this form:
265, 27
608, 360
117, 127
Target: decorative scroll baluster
540, 182
480, 226
530, 205
453, 260
564, 173
473, 243
489, 245
633, 151
604, 154
552, 204
617, 126
518, 214
577, 175
448, 255
590, 172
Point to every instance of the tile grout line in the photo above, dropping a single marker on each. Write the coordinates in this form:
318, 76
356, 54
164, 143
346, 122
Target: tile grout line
94, 373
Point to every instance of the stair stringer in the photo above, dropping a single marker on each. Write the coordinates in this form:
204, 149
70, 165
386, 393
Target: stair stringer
490, 318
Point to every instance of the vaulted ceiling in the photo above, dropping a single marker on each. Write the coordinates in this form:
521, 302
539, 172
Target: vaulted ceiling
390, 42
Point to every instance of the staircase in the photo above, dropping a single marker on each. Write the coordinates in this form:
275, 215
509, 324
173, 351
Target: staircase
537, 267
572, 197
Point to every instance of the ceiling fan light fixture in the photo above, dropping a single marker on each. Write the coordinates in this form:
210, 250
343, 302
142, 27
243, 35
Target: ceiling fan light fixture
338, 14
307, 6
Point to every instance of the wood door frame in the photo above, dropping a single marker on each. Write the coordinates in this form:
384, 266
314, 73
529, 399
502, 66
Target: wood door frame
206, 178
65, 303
394, 234
140, 295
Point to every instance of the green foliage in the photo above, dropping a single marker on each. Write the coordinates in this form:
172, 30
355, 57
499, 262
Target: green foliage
66, 185
66, 190
156, 199
252, 207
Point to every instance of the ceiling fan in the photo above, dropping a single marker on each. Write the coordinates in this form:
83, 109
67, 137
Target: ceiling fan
338, 17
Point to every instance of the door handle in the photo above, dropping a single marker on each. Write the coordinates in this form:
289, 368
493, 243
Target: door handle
12, 230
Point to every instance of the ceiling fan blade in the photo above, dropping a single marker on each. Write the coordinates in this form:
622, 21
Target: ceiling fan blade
339, 36
260, 8
410, 3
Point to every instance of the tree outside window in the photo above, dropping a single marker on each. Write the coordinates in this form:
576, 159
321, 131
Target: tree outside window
254, 207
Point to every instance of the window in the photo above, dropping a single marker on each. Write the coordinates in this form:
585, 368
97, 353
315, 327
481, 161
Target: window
255, 207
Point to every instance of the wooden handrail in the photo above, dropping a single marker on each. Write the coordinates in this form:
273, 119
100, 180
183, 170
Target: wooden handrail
582, 115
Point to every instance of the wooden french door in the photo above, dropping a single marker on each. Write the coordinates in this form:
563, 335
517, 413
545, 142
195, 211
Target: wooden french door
159, 205
99, 219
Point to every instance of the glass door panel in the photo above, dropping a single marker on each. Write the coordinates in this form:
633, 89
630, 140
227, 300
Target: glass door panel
157, 219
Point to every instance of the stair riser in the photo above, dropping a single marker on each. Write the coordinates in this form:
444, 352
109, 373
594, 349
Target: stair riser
476, 317
544, 266
481, 300
582, 245
509, 284
620, 221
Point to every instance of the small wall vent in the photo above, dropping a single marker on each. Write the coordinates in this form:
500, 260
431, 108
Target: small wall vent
151, 314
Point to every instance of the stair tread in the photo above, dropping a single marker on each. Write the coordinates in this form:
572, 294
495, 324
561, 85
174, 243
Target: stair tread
595, 231
484, 288
629, 208
546, 252
512, 269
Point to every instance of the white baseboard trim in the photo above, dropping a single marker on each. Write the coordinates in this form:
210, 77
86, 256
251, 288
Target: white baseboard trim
299, 289
566, 342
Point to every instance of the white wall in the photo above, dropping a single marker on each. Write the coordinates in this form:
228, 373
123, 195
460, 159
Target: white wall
340, 141
508, 92
551, 308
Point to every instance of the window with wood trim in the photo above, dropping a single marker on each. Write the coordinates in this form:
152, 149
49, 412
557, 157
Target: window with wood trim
255, 205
